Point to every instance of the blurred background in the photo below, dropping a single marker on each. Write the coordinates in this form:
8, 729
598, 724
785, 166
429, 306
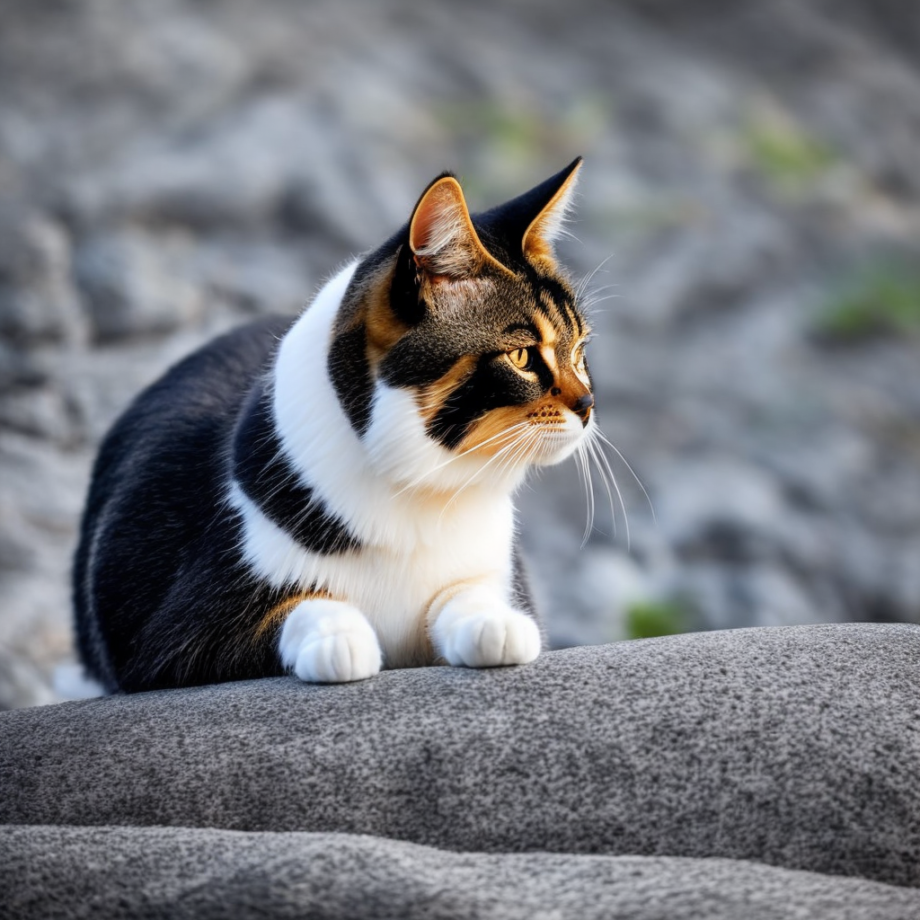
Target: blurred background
750, 205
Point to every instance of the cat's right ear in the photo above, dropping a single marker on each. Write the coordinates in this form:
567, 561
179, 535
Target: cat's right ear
442, 237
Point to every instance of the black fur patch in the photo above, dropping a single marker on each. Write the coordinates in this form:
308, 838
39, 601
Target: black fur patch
351, 376
491, 386
161, 593
268, 479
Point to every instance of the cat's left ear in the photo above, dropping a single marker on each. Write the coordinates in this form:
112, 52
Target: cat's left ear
442, 236
553, 198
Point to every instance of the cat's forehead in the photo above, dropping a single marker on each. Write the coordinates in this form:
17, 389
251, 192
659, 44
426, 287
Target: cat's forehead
529, 307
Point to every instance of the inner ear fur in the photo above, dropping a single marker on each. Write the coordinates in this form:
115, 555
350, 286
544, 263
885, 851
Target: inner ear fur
442, 236
543, 231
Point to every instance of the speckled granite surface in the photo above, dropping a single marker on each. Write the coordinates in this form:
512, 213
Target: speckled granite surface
201, 873
795, 748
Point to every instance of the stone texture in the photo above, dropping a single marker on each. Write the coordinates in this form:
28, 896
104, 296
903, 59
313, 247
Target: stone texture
793, 747
101, 873
37, 298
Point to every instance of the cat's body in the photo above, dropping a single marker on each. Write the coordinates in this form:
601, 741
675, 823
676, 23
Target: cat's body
333, 494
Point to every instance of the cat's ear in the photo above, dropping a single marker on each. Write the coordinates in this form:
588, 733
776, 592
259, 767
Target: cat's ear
552, 198
442, 236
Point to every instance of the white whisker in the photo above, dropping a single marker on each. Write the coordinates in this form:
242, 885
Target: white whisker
440, 466
585, 471
603, 438
506, 450
583, 284
605, 475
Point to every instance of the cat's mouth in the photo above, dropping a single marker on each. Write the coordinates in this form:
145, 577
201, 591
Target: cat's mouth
542, 436
559, 437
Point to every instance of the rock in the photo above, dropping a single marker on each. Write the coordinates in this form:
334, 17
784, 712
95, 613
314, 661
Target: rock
198, 873
670, 736
21, 684
37, 298
42, 413
133, 284
771, 765
17, 368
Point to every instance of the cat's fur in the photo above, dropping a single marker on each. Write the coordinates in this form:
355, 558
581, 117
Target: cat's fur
333, 496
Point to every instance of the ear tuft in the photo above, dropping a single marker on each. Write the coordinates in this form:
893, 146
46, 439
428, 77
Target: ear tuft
441, 233
547, 226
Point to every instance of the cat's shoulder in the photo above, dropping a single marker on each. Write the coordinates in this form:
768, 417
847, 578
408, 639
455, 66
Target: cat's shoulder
239, 350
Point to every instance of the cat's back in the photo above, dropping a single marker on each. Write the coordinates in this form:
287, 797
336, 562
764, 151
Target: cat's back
159, 478
191, 407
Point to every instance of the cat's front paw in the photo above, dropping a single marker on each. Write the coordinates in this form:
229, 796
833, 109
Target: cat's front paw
329, 642
479, 630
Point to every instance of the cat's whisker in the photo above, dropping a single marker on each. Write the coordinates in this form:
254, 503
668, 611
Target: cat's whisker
526, 444
507, 451
583, 284
508, 456
604, 467
585, 472
508, 432
596, 298
605, 440
596, 292
591, 452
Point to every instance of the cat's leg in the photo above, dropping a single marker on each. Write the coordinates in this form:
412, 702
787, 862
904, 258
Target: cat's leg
329, 642
473, 625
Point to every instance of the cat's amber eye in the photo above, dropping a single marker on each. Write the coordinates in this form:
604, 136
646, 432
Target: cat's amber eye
520, 358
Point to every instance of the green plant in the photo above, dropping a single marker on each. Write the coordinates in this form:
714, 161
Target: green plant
787, 155
648, 619
882, 300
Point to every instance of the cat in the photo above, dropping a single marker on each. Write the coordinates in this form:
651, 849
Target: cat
332, 495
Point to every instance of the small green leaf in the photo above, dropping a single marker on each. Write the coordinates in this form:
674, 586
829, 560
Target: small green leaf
650, 619
883, 300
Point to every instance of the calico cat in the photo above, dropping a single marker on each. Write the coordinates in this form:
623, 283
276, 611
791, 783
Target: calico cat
332, 495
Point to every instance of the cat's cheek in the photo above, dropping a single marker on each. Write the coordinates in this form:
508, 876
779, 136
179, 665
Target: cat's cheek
477, 629
329, 642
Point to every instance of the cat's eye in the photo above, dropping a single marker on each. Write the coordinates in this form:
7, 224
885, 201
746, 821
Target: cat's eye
520, 358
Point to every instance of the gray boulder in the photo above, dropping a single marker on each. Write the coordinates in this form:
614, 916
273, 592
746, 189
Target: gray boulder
202, 873
756, 773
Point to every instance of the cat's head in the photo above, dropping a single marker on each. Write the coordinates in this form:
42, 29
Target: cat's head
458, 352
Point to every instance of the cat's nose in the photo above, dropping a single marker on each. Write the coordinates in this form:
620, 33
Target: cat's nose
583, 405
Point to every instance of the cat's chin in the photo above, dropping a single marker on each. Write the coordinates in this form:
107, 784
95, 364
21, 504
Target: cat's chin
552, 453
558, 445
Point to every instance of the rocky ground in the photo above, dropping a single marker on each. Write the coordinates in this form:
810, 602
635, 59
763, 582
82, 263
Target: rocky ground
750, 200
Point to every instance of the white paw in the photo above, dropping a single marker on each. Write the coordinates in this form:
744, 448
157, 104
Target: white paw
478, 629
329, 642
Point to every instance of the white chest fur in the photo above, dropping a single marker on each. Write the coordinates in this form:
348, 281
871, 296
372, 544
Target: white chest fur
415, 542
392, 586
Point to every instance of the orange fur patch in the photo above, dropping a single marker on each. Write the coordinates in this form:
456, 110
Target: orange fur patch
486, 434
538, 238
382, 327
548, 332
572, 385
432, 398
279, 613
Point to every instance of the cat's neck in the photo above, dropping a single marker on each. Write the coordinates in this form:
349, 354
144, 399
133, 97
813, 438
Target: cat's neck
382, 506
